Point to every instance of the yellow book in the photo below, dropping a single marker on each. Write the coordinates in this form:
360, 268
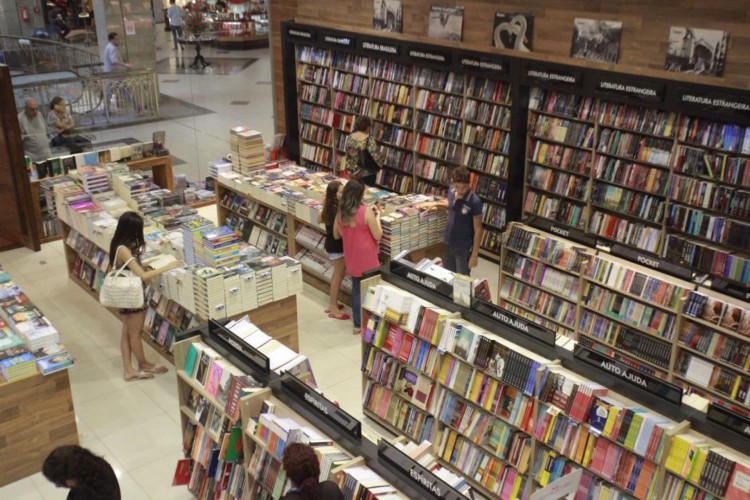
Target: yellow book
449, 446
550, 427
516, 487
494, 386
698, 463
587, 454
445, 369
736, 384
614, 412
544, 472
476, 386
583, 438
523, 463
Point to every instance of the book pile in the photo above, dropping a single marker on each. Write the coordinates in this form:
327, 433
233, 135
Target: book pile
220, 247
191, 237
10, 343
363, 482
208, 285
18, 367
219, 167
423, 454
94, 178
247, 150
53, 358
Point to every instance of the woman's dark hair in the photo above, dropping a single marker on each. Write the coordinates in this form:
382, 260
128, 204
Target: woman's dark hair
129, 233
331, 204
351, 199
74, 462
54, 102
362, 124
301, 466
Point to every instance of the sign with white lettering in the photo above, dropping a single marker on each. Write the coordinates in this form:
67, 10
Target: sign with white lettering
651, 261
568, 232
425, 280
560, 488
718, 103
626, 87
243, 350
729, 419
482, 63
379, 47
337, 40
537, 74
310, 398
424, 54
653, 385
414, 472
507, 318
302, 34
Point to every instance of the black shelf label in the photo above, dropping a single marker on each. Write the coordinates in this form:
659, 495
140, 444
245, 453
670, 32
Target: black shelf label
629, 87
303, 34
240, 348
309, 397
427, 54
732, 289
648, 260
507, 318
568, 232
539, 74
646, 382
480, 63
415, 473
424, 280
380, 47
337, 39
719, 103
729, 419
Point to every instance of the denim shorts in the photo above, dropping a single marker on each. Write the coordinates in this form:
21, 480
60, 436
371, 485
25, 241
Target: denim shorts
335, 255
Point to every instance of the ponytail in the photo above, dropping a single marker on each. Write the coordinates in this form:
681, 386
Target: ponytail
309, 488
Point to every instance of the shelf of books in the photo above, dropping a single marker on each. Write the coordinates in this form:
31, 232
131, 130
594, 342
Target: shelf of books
707, 224
540, 278
561, 138
351, 97
315, 97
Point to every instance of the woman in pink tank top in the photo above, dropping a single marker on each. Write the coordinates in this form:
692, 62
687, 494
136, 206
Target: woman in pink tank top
359, 227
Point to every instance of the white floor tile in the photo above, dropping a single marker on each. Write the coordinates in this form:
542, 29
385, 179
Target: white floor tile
117, 410
23, 489
156, 479
144, 441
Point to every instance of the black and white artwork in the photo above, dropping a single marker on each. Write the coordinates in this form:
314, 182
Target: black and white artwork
596, 40
446, 23
513, 31
388, 15
697, 51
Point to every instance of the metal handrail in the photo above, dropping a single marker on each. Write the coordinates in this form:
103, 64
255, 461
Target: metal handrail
37, 55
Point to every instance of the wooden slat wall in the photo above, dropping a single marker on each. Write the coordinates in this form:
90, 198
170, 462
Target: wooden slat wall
643, 47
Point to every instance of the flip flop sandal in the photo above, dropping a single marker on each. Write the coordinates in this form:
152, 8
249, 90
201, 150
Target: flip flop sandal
343, 316
328, 311
156, 370
142, 375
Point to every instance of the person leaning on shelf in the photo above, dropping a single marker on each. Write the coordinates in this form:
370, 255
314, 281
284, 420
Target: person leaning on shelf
464, 228
34, 131
303, 469
359, 227
363, 157
88, 476
334, 248
128, 243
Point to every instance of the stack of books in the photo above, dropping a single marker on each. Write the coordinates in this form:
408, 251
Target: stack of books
247, 150
219, 167
94, 178
208, 286
220, 246
191, 231
18, 367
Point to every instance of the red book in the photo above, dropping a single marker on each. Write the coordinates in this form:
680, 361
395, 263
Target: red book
406, 345
393, 340
738, 487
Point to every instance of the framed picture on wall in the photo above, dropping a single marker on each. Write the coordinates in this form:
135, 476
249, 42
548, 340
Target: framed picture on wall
388, 15
446, 23
596, 40
697, 51
513, 31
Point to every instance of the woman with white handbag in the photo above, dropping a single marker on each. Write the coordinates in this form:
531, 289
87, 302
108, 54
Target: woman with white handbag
124, 290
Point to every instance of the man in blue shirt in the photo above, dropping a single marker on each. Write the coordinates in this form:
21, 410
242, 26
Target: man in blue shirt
464, 228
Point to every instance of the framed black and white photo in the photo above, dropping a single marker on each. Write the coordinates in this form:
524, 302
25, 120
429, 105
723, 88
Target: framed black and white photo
388, 15
513, 31
596, 40
697, 51
446, 23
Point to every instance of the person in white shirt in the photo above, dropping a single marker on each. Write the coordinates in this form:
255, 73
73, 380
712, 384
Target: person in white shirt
112, 56
174, 14
34, 131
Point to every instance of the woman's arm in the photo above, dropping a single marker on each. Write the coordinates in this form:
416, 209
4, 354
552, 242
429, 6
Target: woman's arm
372, 218
53, 121
124, 254
375, 151
337, 228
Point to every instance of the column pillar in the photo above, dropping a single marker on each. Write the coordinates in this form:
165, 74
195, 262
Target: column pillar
138, 48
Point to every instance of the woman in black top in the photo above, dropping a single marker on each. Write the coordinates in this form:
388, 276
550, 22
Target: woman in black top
334, 248
302, 468
88, 476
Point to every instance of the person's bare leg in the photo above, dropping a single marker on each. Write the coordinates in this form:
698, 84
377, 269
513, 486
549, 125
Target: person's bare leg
127, 363
339, 270
135, 325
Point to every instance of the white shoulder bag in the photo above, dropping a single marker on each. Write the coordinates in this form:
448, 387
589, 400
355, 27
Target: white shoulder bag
121, 288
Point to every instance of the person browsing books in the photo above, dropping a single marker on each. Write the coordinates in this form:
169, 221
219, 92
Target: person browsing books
363, 157
359, 228
303, 469
88, 476
334, 248
464, 228
128, 242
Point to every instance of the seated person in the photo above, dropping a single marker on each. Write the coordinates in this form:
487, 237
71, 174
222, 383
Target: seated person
59, 122
33, 131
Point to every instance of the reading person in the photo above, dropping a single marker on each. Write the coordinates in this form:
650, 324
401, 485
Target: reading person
334, 248
128, 242
464, 228
88, 476
303, 469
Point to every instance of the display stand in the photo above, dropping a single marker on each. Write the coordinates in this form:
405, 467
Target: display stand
37, 417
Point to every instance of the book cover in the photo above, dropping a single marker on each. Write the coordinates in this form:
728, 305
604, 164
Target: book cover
54, 364
713, 310
497, 357
732, 317
182, 472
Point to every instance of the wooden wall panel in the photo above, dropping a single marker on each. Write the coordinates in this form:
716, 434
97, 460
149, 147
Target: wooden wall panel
646, 25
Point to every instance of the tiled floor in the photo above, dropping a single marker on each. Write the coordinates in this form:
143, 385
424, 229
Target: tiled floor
135, 425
